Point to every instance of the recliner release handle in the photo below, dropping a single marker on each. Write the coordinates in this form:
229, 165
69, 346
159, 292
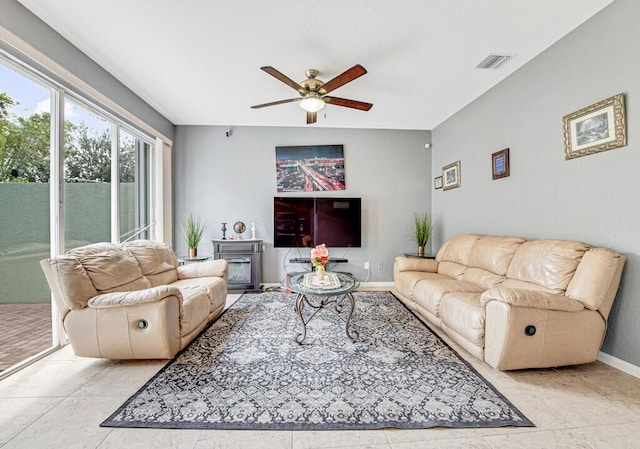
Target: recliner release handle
142, 324
530, 330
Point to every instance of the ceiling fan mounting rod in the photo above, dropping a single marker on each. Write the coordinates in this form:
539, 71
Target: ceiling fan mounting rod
312, 73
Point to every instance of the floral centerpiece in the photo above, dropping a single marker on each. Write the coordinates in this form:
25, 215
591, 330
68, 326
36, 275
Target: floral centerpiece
319, 258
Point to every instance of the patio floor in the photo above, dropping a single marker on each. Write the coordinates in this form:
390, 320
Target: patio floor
25, 330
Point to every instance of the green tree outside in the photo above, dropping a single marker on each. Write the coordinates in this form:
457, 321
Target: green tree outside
25, 149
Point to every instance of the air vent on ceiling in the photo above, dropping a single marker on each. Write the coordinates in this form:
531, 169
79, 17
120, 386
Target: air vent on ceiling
493, 61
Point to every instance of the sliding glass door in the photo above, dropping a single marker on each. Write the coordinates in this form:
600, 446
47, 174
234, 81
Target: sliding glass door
134, 166
70, 174
25, 306
87, 177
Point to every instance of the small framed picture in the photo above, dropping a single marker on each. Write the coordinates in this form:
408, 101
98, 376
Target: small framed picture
500, 164
596, 128
437, 182
451, 176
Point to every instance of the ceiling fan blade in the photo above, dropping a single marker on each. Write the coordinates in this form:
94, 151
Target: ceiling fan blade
285, 79
348, 103
311, 117
342, 79
273, 103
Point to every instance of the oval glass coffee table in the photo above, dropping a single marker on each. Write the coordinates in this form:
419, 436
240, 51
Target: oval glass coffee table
334, 290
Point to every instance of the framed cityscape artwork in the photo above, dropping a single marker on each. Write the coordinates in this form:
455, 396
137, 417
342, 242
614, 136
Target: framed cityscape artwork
310, 168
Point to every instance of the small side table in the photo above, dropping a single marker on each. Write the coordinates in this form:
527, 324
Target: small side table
419, 256
186, 260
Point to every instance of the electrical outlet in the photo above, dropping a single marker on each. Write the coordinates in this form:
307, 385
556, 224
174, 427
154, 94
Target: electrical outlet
380, 265
366, 265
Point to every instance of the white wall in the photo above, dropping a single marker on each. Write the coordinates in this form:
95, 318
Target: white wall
592, 198
19, 21
229, 179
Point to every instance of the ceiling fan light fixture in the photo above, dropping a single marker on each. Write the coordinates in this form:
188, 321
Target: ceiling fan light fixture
312, 103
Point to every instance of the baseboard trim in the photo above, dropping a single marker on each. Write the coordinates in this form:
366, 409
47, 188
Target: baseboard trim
385, 285
619, 364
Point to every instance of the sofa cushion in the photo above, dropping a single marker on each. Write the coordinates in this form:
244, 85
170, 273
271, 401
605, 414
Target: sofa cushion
596, 280
164, 278
194, 310
522, 285
208, 268
548, 263
406, 281
458, 249
494, 253
451, 269
532, 299
75, 285
153, 257
110, 267
156, 260
482, 277
209, 285
462, 312
428, 293
415, 264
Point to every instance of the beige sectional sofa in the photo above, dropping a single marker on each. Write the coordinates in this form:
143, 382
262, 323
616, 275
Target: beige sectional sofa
515, 303
133, 300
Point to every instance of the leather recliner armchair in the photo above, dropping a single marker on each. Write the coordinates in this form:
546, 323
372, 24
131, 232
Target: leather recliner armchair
133, 300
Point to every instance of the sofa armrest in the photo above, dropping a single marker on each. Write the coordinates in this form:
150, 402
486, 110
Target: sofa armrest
120, 299
531, 298
416, 264
203, 269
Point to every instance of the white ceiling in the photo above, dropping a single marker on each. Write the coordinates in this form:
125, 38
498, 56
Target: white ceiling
198, 61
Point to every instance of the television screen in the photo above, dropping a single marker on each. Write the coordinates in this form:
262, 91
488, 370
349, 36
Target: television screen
306, 222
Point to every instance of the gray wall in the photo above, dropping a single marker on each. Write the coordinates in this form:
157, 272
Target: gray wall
228, 179
28, 27
592, 198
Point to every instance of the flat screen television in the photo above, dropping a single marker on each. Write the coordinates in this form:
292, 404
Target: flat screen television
306, 222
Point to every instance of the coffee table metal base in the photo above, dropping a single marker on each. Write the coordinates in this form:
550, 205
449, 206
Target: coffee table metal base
321, 302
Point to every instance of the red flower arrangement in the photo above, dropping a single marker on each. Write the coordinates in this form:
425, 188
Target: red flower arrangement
320, 255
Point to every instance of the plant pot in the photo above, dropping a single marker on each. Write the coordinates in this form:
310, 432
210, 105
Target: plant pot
420, 250
193, 252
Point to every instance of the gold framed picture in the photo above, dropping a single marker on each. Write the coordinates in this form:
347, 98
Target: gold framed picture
451, 176
437, 182
596, 128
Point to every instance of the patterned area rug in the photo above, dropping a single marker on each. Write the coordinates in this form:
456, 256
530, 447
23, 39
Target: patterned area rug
246, 372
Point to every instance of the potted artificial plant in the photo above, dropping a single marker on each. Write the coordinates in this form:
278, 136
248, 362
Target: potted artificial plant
192, 230
421, 231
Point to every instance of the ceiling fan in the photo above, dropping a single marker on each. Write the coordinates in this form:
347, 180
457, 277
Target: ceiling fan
313, 92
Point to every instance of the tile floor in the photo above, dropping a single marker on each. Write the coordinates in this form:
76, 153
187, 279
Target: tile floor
25, 330
60, 401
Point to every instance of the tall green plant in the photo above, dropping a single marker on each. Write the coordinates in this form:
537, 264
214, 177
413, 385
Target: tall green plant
421, 228
192, 230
